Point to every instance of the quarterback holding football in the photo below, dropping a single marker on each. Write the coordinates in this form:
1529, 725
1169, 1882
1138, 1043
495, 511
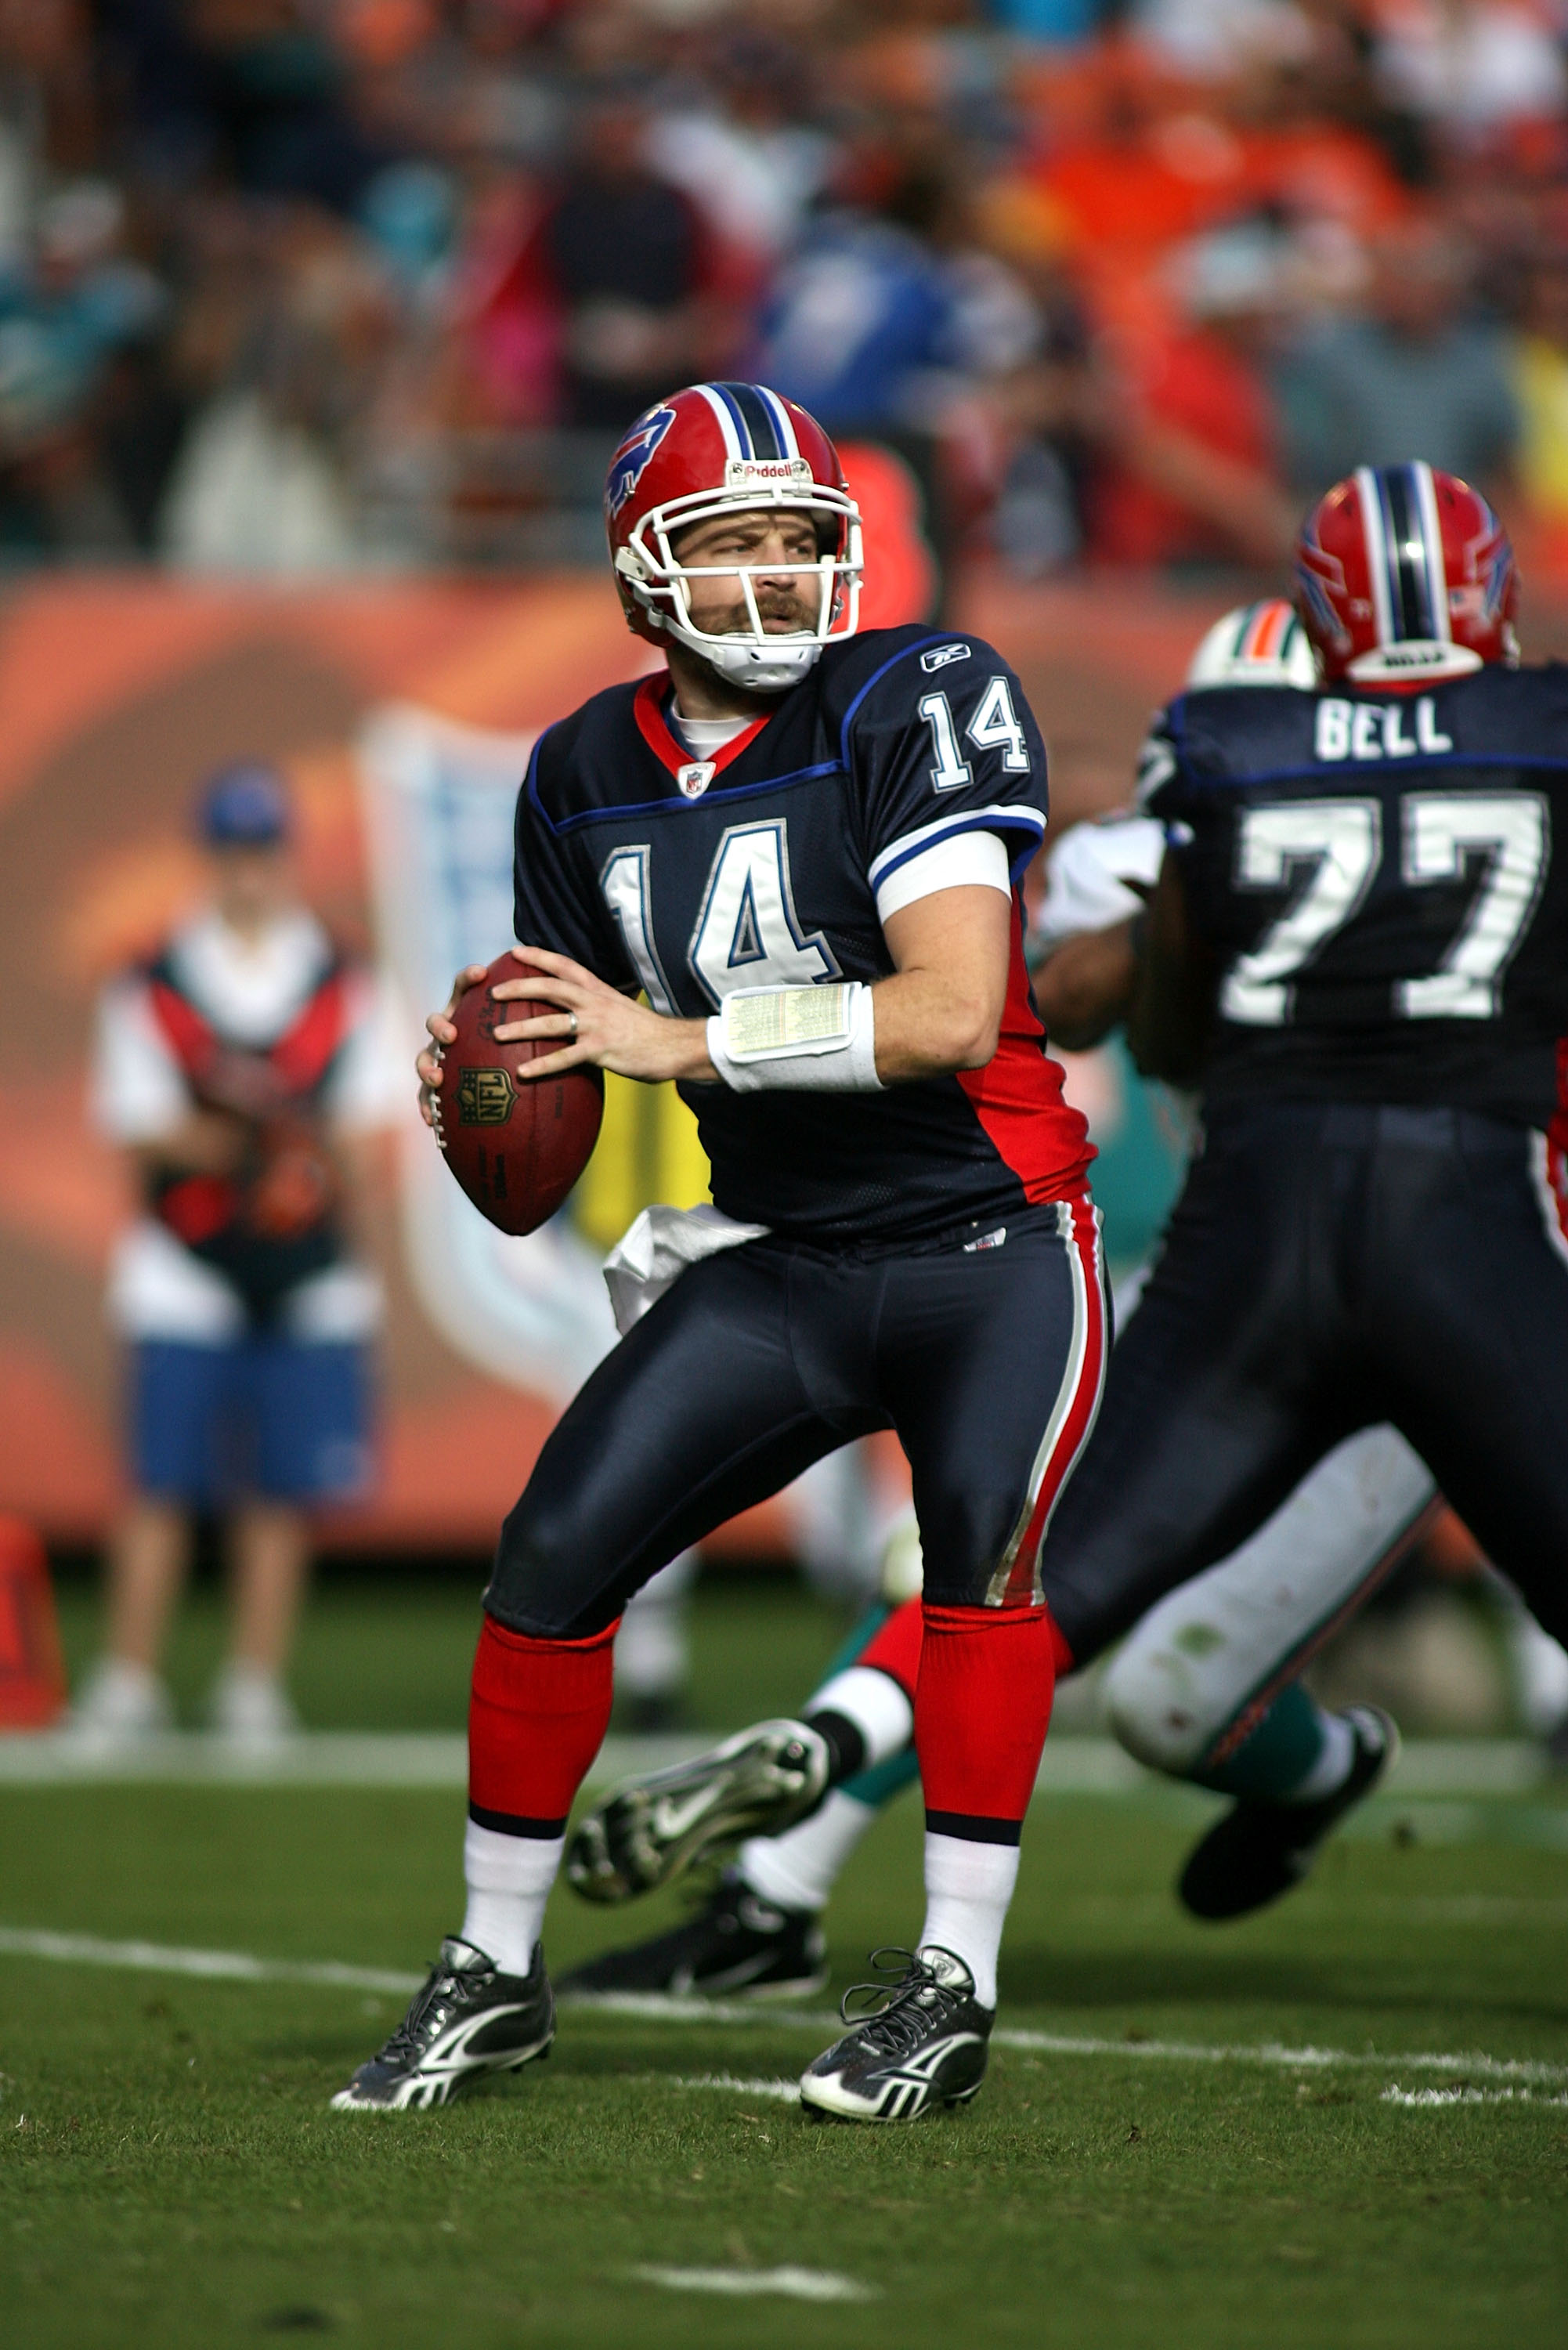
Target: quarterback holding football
781, 872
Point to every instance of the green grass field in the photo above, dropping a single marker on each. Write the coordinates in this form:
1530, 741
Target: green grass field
170, 2175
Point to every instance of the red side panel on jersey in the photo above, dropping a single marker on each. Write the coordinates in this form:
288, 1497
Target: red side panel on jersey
1017, 1097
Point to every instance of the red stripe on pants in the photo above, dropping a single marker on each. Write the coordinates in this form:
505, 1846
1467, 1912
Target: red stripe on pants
1076, 1420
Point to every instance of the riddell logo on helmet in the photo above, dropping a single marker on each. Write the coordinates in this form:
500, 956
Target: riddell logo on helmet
1425, 656
765, 472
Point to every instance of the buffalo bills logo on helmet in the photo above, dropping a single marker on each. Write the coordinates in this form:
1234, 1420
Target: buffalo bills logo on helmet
630, 460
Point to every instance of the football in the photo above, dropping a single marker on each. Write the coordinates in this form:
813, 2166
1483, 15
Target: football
516, 1149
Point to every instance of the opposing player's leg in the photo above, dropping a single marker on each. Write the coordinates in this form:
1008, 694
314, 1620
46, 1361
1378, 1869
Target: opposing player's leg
701, 1412
992, 1361
1206, 1687
755, 1934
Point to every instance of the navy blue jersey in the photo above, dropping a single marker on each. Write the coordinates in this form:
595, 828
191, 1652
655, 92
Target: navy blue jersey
760, 868
1384, 879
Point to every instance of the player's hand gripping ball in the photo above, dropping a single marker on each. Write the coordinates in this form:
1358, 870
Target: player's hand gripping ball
515, 1147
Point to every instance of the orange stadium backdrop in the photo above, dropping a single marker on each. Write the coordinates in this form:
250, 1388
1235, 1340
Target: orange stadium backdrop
117, 695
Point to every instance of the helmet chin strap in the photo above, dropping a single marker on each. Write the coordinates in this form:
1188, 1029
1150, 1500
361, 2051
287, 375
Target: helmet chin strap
770, 668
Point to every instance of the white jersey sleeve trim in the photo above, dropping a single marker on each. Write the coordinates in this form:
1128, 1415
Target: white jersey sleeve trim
1016, 816
964, 860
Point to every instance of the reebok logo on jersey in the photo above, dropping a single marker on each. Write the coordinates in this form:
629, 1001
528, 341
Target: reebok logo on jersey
941, 655
1376, 730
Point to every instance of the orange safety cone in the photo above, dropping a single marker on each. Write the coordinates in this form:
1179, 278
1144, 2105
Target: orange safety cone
32, 1677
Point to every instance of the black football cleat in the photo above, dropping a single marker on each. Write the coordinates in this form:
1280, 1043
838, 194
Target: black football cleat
1259, 1851
469, 2020
755, 1784
926, 2045
737, 1945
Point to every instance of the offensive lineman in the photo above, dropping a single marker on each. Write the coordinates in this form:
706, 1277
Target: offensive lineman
798, 845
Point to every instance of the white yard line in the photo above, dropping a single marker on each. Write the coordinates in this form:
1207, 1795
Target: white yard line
785, 2093
242, 1966
1073, 1765
215, 1966
1460, 2094
1275, 2053
795, 2284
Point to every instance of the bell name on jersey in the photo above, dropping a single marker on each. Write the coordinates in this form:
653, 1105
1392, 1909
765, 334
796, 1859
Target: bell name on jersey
1383, 879
765, 865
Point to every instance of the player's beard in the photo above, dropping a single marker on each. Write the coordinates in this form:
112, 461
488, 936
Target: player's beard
799, 615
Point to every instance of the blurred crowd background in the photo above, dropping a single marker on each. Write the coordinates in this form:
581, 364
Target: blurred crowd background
319, 285
359, 294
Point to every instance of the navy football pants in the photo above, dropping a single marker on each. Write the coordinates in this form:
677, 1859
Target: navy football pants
987, 1360
1329, 1267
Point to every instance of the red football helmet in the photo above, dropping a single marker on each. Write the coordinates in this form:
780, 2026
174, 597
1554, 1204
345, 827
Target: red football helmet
1405, 575
711, 450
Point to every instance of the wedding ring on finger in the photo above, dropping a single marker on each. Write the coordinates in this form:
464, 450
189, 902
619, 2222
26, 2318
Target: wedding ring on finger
572, 1018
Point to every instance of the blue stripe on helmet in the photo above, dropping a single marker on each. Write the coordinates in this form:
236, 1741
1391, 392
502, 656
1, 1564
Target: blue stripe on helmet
726, 392
1409, 558
760, 423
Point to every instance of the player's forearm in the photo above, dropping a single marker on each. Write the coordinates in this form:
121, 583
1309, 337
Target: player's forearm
941, 1009
1173, 1001
1088, 985
930, 1026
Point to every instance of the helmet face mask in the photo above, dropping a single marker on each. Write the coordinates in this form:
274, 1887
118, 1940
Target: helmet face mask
717, 451
1406, 577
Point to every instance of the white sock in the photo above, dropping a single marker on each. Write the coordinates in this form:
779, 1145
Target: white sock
798, 1869
509, 1880
1332, 1768
875, 1703
968, 1888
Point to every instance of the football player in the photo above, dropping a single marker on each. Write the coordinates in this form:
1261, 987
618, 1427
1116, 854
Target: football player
1225, 1707
798, 845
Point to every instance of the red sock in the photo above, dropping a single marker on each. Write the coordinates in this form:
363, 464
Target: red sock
895, 1648
981, 1711
537, 1713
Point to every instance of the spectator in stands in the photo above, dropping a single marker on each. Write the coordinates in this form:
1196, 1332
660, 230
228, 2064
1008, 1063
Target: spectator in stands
636, 276
1470, 68
891, 315
1418, 374
73, 307
1541, 385
1189, 442
265, 481
746, 153
235, 1069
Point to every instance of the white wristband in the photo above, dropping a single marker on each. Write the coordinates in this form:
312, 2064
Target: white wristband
808, 1039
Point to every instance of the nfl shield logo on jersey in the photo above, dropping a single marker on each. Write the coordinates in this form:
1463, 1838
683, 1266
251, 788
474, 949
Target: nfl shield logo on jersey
695, 778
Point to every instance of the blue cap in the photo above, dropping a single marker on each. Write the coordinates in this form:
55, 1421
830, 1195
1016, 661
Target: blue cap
244, 806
